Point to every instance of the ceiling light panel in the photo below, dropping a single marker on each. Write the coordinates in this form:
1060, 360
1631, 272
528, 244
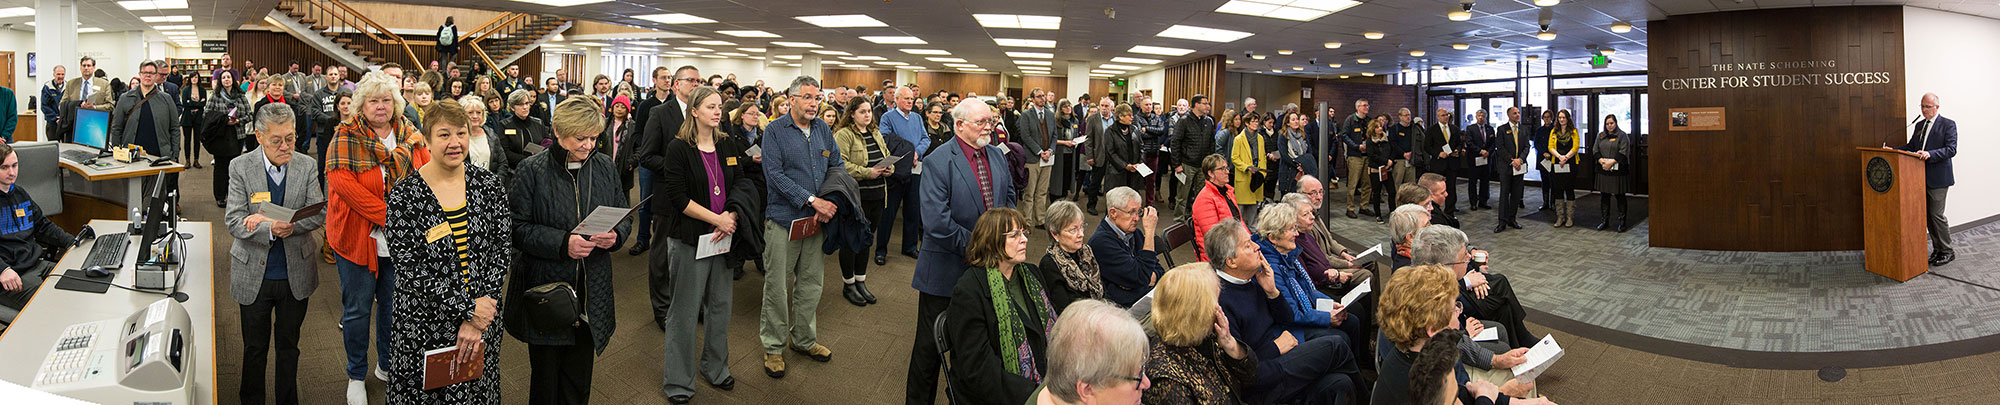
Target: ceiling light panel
926, 52
1032, 22
684, 48
864, 57
599, 44
961, 65
795, 44
754, 50
1107, 71
1033, 62
842, 21
890, 63
895, 40
150, 19
673, 18
792, 57
154, 5
971, 69
1033, 55
1203, 33
1136, 61
647, 43
1158, 50
89, 29
713, 43
827, 52
945, 59
747, 34
1119, 67
1025, 43
1295, 10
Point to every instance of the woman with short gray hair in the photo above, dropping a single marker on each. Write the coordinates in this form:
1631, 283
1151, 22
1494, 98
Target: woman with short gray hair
1278, 238
1069, 258
517, 130
1097, 355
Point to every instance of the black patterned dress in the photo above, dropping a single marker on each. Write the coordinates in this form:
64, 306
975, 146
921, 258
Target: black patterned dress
435, 286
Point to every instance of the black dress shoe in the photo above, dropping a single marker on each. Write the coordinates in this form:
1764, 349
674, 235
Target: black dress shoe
862, 287
727, 384
912, 253
853, 297
1944, 259
1514, 224
638, 248
1604, 225
679, 399
1500, 228
1621, 227
1351, 215
881, 259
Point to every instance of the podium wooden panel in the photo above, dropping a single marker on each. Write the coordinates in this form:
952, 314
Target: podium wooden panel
1892, 219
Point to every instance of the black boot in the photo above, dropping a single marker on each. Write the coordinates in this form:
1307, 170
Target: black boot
862, 287
853, 296
1623, 212
1604, 212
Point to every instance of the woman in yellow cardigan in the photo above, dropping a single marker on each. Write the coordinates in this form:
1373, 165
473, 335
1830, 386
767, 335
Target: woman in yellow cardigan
1563, 144
1246, 159
861, 147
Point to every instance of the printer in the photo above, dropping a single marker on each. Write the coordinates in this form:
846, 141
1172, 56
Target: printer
146, 357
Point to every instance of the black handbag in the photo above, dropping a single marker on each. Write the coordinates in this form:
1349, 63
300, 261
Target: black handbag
552, 307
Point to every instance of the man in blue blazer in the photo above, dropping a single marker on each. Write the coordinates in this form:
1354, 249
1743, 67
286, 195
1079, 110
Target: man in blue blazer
1936, 141
961, 181
1124, 247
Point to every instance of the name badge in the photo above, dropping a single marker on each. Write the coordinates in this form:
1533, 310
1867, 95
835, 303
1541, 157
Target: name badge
510, 131
437, 232
260, 198
20, 212
731, 161
825, 153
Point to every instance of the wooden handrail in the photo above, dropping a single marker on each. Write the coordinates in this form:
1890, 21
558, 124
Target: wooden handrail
343, 19
490, 64
489, 33
420, 66
490, 23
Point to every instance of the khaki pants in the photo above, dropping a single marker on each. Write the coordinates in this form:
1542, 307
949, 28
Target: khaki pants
1197, 179
794, 271
1403, 173
1362, 182
1035, 200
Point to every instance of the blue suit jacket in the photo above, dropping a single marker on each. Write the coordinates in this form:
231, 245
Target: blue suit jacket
1125, 269
948, 189
1942, 143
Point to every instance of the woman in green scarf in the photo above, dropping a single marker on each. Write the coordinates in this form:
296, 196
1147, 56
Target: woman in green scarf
999, 319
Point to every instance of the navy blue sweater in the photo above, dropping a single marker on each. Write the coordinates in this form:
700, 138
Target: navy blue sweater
1253, 318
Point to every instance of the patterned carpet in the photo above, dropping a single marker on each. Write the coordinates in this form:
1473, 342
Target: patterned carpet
1756, 301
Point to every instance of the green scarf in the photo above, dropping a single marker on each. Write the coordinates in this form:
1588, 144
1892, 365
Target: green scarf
1012, 334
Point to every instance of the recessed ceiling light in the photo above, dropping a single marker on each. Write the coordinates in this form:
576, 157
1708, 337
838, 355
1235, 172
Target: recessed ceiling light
1546, 35
1621, 27
1345, 76
795, 44
179, 33
638, 50
890, 63
735, 54
752, 50
827, 52
173, 27
911, 67
153, 4
1606, 51
1033, 62
1363, 61
895, 40
972, 69
1332, 45
1368, 74
1276, 70
865, 57
1490, 61
961, 65
684, 48
1099, 75
713, 43
714, 57
1025, 43
1295, 10
841, 21
1298, 68
1417, 53
89, 29
1203, 34
673, 18
1159, 50
945, 59
1547, 3
1333, 65
1032, 22
1119, 67
647, 43
747, 34
1284, 52
855, 66
1231, 61
1437, 66
757, 57
1257, 57
1459, 15
1036, 55
1141, 61
926, 51
1106, 71
601, 44
150, 19
845, 57
1372, 35
1406, 70
1534, 57
1461, 46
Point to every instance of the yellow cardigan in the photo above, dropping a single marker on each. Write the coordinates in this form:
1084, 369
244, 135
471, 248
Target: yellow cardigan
1242, 157
1556, 135
854, 153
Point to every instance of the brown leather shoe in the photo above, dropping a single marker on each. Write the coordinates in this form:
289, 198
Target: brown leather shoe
818, 353
774, 365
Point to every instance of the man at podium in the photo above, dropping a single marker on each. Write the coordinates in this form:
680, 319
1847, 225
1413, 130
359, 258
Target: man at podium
1936, 141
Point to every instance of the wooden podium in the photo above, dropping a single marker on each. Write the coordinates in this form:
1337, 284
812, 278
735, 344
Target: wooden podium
1893, 213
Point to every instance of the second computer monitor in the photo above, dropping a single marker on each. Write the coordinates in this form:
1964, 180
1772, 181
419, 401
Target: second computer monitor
91, 127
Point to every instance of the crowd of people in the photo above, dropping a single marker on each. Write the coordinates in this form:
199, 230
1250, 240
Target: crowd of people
452, 194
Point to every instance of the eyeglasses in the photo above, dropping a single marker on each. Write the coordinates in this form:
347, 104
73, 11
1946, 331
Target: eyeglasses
1073, 230
1016, 234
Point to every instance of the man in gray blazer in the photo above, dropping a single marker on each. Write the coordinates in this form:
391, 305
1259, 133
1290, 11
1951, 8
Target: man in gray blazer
1093, 159
1036, 123
273, 264
161, 136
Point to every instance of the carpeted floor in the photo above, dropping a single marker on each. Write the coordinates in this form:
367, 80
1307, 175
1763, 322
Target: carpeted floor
871, 349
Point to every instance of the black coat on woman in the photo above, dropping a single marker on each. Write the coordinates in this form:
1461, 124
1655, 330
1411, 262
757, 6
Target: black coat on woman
1066, 172
549, 200
976, 350
626, 142
685, 180
434, 295
1119, 147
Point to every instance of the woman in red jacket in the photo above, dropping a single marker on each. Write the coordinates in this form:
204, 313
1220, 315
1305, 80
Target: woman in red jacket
371, 150
1216, 202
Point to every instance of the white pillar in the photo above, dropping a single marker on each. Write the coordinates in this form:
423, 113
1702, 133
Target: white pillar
593, 65
1078, 81
55, 38
135, 51
906, 76
809, 66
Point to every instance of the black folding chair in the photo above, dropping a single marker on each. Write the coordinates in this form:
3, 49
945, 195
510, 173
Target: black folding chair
944, 358
1180, 233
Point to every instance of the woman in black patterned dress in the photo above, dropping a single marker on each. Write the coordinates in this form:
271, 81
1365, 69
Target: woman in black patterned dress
448, 230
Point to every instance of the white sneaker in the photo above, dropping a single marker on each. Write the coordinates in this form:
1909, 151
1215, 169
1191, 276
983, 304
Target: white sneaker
381, 375
357, 392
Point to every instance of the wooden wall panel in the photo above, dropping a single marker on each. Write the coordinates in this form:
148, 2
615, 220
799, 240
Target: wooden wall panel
986, 84
1782, 177
1199, 76
1060, 85
275, 49
831, 78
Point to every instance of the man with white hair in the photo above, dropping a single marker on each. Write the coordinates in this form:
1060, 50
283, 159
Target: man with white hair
962, 180
1291, 367
1124, 248
906, 123
1936, 141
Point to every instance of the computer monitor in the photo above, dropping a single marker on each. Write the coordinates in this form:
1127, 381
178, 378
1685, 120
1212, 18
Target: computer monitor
159, 222
92, 126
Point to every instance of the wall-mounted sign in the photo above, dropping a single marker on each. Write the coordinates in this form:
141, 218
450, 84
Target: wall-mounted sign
214, 46
1695, 119
1726, 76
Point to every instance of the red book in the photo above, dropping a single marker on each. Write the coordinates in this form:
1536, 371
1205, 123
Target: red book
805, 227
440, 369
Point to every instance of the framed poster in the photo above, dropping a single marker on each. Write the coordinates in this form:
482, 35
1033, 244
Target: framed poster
1696, 119
32, 66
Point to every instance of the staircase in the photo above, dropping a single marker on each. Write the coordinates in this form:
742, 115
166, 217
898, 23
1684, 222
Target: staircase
331, 27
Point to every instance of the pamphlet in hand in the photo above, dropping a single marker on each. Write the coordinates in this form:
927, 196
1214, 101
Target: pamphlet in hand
1079, 140
288, 215
1487, 335
1144, 171
1539, 358
441, 370
534, 149
1521, 170
711, 247
1447, 149
1051, 161
1561, 168
1324, 305
1374, 253
1181, 176
1355, 293
890, 161
604, 219
1479, 161
755, 151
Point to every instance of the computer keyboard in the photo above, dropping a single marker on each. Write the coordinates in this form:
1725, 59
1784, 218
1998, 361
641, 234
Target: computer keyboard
108, 251
79, 156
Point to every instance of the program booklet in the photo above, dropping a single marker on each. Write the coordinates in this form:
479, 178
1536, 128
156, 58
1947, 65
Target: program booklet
282, 214
440, 370
1539, 358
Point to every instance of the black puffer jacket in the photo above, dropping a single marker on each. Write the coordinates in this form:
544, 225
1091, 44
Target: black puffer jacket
1193, 139
548, 201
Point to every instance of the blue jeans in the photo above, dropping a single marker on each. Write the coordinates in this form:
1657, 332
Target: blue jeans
645, 216
901, 198
358, 290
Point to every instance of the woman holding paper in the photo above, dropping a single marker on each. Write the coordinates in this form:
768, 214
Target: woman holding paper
446, 297
1314, 314
1563, 144
1120, 151
862, 147
553, 192
1614, 159
706, 177
1416, 305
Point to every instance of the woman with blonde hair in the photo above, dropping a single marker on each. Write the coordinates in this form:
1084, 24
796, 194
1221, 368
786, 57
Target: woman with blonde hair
1416, 305
483, 145
1195, 360
370, 152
